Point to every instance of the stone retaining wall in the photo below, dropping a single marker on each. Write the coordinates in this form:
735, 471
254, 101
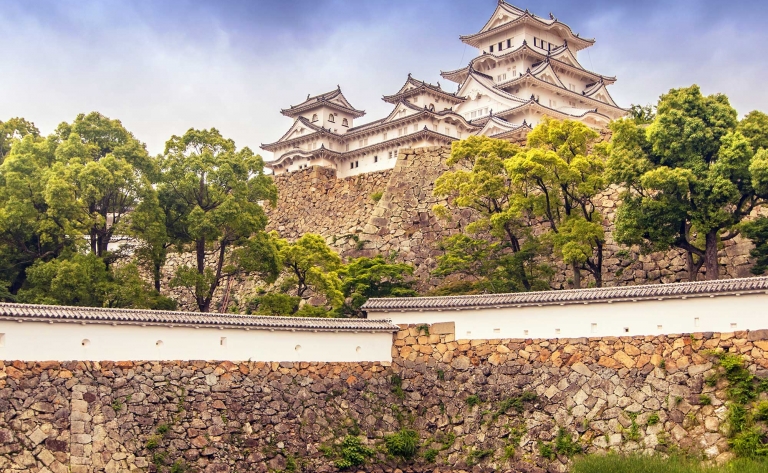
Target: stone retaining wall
462, 397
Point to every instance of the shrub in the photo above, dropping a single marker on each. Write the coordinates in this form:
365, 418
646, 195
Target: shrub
654, 419
376, 196
475, 456
431, 455
403, 444
705, 400
352, 452
274, 304
614, 463
564, 444
761, 411
397, 386
473, 400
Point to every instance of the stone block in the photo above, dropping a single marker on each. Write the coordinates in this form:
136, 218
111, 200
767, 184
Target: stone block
443, 328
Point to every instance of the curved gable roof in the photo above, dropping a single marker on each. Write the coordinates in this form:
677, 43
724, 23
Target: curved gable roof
334, 99
414, 87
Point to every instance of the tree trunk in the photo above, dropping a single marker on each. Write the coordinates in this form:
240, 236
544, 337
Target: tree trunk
693, 266
598, 272
576, 276
710, 256
156, 271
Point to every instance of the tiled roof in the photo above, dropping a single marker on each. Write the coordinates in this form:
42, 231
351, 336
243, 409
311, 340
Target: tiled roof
574, 296
98, 315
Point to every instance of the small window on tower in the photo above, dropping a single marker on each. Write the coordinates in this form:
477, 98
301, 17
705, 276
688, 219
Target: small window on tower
346, 147
499, 46
331, 118
357, 164
509, 43
375, 159
314, 117
351, 165
344, 122
385, 135
491, 48
572, 87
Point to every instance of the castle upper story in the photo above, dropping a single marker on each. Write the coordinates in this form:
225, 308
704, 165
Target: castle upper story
526, 68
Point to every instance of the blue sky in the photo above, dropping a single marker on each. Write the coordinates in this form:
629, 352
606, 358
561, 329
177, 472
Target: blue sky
165, 66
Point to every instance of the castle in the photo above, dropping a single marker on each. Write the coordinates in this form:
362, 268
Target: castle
527, 67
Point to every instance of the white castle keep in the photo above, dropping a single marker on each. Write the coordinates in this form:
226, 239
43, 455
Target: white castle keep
527, 67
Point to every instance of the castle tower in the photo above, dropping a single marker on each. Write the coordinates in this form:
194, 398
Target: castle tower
528, 67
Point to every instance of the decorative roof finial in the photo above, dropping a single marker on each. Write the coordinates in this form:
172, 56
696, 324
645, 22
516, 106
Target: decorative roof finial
525, 43
551, 16
338, 87
307, 96
490, 114
409, 75
524, 123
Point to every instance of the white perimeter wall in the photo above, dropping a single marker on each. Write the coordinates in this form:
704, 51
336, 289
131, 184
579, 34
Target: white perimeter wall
40, 341
649, 317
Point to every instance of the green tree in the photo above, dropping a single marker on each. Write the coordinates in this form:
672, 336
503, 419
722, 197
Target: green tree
220, 191
642, 115
85, 280
105, 172
14, 130
690, 177
37, 221
755, 128
561, 176
757, 231
311, 265
363, 278
480, 182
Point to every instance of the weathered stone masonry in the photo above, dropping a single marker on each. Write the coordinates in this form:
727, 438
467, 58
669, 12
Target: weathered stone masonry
224, 417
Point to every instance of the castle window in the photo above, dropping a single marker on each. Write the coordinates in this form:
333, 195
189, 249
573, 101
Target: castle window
344, 122
375, 159
351, 165
509, 43
357, 163
499, 46
314, 117
2, 335
447, 131
223, 341
572, 87
431, 107
331, 118
491, 48
395, 154
536, 41
390, 155
502, 77
399, 132
346, 147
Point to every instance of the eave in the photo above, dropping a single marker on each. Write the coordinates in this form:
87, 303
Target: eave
294, 112
578, 42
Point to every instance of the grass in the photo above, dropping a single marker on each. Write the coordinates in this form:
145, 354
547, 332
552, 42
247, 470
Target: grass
613, 463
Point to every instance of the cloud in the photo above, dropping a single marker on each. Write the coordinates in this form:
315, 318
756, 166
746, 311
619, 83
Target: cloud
163, 67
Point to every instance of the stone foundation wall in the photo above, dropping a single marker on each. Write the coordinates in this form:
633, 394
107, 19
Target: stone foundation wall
463, 398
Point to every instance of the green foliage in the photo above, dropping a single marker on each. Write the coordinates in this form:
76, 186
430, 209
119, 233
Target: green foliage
152, 443
690, 177
705, 400
642, 115
653, 419
755, 128
219, 191
350, 453
312, 265
516, 402
163, 429
363, 278
180, 466
761, 411
403, 444
546, 450
274, 304
396, 383
565, 445
757, 231
14, 130
750, 443
480, 183
376, 196
632, 434
430, 455
117, 405
476, 455
614, 463
473, 400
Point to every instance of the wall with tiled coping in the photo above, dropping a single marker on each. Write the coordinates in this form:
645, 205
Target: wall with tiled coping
620, 393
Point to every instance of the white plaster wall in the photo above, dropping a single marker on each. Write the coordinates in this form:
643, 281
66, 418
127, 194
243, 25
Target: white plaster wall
669, 316
39, 341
